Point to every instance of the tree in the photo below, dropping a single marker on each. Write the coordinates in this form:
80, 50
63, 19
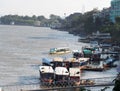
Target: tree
117, 83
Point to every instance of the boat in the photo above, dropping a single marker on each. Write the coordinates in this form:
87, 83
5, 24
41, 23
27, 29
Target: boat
75, 75
84, 40
101, 36
92, 67
87, 51
57, 62
61, 76
60, 50
46, 61
94, 43
46, 75
77, 54
83, 61
109, 62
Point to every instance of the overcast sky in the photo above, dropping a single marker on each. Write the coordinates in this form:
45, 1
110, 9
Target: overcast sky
47, 7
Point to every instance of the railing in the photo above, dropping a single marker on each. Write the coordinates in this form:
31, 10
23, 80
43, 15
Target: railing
106, 81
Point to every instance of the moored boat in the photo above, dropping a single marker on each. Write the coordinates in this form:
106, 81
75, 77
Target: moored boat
60, 50
61, 76
75, 75
46, 74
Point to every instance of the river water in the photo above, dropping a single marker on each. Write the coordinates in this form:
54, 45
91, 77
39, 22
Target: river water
23, 47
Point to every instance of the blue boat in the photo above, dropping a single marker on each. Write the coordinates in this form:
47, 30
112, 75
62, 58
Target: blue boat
46, 61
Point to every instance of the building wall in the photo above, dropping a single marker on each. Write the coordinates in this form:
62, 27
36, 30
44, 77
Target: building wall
115, 9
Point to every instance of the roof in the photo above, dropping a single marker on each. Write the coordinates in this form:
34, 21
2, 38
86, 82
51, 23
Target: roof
62, 48
61, 71
46, 69
71, 59
46, 60
58, 59
74, 72
83, 59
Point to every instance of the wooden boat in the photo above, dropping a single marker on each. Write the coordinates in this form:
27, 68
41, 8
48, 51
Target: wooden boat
94, 44
87, 51
83, 61
60, 50
75, 75
46, 61
61, 76
109, 62
86, 82
84, 40
77, 54
57, 62
91, 67
46, 74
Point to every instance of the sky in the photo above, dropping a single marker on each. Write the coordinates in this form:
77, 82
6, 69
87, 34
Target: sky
47, 7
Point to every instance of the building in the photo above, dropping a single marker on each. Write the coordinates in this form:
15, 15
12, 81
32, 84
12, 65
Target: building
104, 13
114, 10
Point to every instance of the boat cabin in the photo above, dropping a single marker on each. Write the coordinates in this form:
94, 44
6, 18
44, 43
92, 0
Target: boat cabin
46, 61
61, 50
46, 74
61, 75
75, 75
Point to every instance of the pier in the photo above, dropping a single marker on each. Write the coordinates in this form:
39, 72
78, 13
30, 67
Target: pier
98, 82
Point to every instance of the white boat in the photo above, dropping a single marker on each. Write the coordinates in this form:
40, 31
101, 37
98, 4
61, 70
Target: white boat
46, 74
94, 44
75, 75
60, 50
61, 76
83, 61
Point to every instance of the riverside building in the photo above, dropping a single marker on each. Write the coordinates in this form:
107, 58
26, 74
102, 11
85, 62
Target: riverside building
115, 9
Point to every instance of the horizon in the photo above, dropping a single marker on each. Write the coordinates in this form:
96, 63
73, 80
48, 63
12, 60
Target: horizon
46, 8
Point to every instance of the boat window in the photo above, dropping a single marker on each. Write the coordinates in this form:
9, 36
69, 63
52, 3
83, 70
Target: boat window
42, 71
66, 72
42, 68
78, 73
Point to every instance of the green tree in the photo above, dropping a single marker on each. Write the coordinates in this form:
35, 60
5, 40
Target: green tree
117, 83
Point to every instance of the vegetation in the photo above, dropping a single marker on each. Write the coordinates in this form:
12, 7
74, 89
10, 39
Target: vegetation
117, 83
80, 24
27, 20
77, 23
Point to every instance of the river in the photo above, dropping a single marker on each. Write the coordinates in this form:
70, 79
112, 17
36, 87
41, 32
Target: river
23, 47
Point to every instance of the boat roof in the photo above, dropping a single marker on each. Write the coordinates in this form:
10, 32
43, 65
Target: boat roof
74, 71
71, 59
46, 69
76, 51
46, 61
83, 59
61, 71
62, 48
58, 59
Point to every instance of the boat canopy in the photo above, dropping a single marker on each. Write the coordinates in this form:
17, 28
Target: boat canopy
74, 72
71, 60
86, 51
83, 59
46, 61
46, 69
58, 59
61, 71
